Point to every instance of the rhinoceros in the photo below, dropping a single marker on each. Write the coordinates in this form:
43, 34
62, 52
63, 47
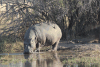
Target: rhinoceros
42, 34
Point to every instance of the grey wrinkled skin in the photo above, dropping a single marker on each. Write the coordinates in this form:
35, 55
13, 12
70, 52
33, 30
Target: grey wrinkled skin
39, 35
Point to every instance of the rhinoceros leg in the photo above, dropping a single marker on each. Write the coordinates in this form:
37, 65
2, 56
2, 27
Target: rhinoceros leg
54, 46
38, 47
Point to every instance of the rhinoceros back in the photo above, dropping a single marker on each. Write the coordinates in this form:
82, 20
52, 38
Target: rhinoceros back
47, 34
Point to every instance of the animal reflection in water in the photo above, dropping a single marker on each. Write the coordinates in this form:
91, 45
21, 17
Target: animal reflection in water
43, 60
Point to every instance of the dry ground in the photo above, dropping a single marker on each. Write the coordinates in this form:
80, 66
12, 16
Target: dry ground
86, 47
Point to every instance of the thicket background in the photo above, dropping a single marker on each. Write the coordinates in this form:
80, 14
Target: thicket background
76, 18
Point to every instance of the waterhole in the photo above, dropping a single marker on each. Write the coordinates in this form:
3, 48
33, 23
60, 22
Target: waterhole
63, 58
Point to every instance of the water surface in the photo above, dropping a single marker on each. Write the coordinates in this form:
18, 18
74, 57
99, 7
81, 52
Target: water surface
42, 59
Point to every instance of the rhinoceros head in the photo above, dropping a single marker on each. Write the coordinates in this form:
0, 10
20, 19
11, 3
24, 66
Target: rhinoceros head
29, 42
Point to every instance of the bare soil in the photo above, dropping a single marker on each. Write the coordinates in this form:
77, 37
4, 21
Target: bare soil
84, 47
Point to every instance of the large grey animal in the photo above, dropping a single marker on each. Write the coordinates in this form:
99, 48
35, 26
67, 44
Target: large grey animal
43, 34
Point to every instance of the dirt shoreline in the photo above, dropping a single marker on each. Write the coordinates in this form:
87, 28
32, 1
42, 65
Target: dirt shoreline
89, 43
87, 49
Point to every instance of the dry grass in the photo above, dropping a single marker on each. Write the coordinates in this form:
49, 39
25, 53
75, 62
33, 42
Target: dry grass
88, 61
11, 58
11, 47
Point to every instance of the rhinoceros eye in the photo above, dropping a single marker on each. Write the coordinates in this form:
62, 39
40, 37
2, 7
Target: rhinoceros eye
32, 41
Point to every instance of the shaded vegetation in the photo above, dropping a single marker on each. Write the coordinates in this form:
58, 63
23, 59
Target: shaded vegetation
7, 46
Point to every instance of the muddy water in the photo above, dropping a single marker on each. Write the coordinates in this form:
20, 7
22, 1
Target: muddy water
43, 59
